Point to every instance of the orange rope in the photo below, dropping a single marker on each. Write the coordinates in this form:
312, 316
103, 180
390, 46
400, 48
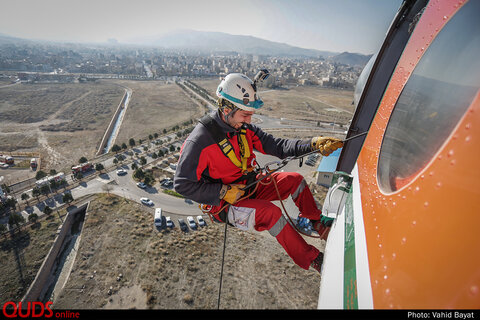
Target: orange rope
279, 198
285, 210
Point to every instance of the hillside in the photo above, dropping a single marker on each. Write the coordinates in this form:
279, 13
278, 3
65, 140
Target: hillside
352, 59
224, 42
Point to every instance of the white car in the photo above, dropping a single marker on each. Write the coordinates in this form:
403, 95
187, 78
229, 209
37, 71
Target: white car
146, 201
201, 222
141, 185
191, 222
169, 222
121, 172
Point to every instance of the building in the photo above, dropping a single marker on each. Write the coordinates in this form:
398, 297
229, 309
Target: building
327, 167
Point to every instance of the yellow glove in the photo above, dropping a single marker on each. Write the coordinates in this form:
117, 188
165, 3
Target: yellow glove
326, 145
232, 192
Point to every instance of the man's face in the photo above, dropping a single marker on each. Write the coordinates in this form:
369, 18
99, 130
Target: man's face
239, 118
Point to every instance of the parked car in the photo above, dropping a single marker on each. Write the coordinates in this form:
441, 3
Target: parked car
121, 172
169, 222
157, 218
141, 185
183, 225
146, 201
201, 222
167, 183
191, 222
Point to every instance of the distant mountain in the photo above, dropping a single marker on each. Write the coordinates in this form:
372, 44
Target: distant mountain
6, 39
206, 42
223, 42
352, 59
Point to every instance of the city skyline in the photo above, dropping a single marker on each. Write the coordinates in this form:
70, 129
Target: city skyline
338, 26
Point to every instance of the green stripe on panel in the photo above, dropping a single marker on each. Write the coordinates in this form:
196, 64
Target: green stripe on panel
350, 298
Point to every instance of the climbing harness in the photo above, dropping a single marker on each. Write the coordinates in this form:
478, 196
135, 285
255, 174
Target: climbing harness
227, 149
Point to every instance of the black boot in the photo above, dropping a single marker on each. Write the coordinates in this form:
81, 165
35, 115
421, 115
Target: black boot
317, 263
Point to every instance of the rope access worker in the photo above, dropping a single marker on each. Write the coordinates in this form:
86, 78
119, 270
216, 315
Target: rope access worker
216, 162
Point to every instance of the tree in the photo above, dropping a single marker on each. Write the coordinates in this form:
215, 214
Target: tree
172, 148
164, 131
143, 160
148, 179
36, 192
33, 218
131, 142
53, 172
124, 146
150, 137
139, 174
47, 210
40, 174
155, 135
11, 202
53, 185
5, 188
45, 190
82, 160
115, 161
99, 167
16, 219
67, 198
25, 197
134, 166
116, 148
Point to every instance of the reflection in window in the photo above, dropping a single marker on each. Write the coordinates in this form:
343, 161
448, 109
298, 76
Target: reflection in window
436, 96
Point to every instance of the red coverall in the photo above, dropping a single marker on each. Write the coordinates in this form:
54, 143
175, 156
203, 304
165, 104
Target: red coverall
203, 169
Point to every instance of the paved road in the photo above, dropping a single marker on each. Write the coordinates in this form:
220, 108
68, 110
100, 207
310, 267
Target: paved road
125, 186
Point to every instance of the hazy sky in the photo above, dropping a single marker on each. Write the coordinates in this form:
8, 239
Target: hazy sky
334, 25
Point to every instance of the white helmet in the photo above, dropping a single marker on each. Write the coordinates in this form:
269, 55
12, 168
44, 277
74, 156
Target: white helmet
241, 91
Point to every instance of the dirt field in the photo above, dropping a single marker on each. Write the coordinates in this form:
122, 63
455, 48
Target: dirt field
124, 262
22, 255
154, 106
67, 121
61, 121
312, 103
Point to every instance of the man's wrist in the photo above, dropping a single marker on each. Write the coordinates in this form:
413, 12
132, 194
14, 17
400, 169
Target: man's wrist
223, 191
